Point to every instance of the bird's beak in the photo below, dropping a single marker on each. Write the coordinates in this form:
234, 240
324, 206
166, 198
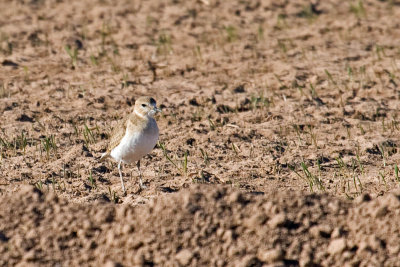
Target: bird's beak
156, 109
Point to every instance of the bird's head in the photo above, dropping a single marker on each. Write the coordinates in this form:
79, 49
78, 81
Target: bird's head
146, 106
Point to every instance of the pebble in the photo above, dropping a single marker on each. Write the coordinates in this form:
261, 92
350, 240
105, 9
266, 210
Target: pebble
184, 257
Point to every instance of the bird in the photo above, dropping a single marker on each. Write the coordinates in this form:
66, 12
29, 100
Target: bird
134, 136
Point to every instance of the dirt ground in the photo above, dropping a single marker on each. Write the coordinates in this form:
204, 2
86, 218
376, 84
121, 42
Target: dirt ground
278, 138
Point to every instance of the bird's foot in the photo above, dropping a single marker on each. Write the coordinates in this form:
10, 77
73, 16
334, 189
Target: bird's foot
142, 186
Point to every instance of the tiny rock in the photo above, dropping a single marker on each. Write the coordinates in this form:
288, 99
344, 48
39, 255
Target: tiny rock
277, 220
270, 256
337, 246
184, 257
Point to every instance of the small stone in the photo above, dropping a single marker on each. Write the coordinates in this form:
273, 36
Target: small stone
277, 220
86, 224
334, 206
306, 256
227, 237
25, 263
255, 221
337, 232
30, 255
362, 246
393, 201
184, 257
127, 229
318, 231
314, 231
270, 256
362, 198
248, 261
382, 211
375, 243
111, 263
337, 246
235, 197
220, 232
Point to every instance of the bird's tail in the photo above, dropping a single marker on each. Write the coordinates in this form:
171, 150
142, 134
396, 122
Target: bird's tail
104, 156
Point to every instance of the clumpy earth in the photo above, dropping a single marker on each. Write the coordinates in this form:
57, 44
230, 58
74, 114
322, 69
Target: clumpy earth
278, 137
205, 225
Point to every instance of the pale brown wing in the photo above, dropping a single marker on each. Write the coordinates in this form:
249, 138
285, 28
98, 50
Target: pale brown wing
117, 134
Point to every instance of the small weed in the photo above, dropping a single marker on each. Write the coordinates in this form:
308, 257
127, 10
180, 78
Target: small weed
260, 33
73, 54
394, 125
259, 101
235, 149
380, 51
197, 52
382, 151
53, 184
163, 44
396, 173
310, 178
165, 152
22, 141
48, 145
297, 130
308, 12
8, 48
26, 74
342, 165
383, 178
92, 181
281, 22
350, 72
3, 92
361, 129
113, 196
282, 85
149, 21
313, 92
212, 124
105, 32
185, 163
282, 46
355, 177
125, 81
313, 135
358, 9
197, 115
39, 185
231, 34
19, 142
114, 67
94, 60
383, 125
330, 78
88, 136
205, 156
348, 132
76, 129
299, 87
360, 165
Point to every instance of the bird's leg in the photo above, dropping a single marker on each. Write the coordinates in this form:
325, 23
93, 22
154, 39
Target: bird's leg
142, 186
120, 176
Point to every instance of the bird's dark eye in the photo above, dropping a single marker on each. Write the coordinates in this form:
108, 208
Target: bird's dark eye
144, 105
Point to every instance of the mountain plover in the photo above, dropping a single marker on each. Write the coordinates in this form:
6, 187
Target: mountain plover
134, 136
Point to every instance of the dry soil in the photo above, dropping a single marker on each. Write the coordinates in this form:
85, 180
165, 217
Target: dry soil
278, 137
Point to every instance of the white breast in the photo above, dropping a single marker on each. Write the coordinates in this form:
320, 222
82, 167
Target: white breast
135, 145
